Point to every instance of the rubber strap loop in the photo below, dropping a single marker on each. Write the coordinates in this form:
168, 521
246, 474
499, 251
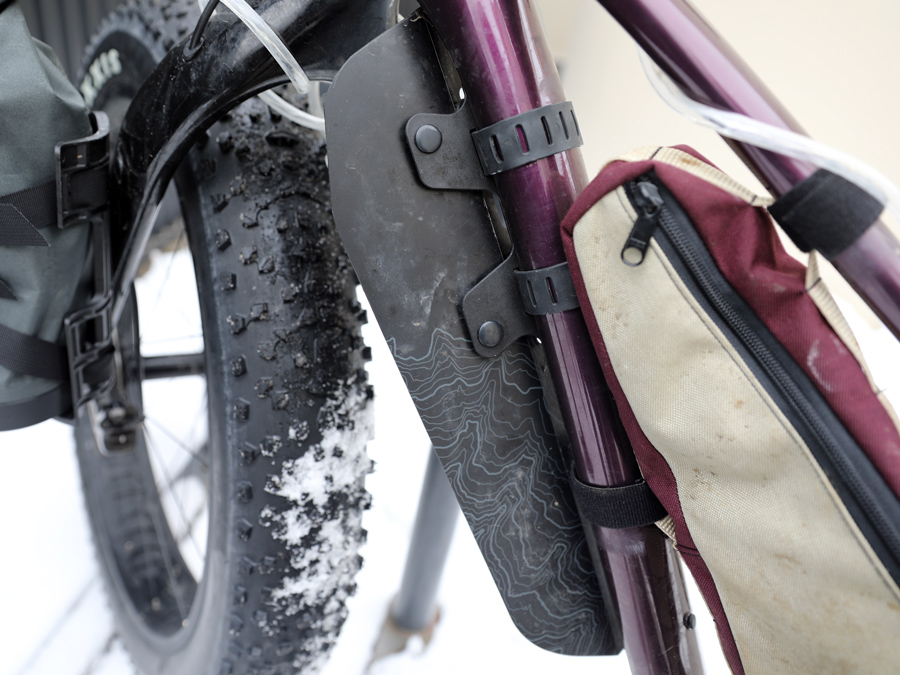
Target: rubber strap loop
526, 138
617, 507
549, 290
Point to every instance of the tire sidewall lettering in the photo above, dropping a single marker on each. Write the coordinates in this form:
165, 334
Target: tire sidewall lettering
103, 68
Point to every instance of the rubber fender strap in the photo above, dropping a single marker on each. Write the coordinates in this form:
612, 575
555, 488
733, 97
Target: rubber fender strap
527, 137
548, 290
29, 355
617, 508
36, 204
825, 212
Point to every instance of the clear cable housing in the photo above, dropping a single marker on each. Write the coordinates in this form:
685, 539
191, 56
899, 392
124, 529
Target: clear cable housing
292, 112
282, 55
763, 135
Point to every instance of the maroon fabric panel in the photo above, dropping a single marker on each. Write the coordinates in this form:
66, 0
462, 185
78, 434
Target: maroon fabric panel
654, 467
744, 244
746, 248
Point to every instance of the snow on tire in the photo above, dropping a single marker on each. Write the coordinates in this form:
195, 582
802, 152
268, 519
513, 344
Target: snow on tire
289, 409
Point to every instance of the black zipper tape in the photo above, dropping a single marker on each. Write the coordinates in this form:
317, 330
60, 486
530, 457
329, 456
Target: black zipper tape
869, 500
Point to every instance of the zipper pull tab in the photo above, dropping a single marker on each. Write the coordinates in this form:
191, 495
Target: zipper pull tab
650, 202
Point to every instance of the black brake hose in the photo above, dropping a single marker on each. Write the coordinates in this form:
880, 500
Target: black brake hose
197, 36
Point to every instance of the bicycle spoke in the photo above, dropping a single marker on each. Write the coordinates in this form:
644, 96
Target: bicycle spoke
195, 517
158, 529
168, 487
197, 458
168, 273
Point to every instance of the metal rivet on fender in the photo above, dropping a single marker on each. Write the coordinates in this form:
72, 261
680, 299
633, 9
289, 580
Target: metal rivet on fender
490, 333
428, 138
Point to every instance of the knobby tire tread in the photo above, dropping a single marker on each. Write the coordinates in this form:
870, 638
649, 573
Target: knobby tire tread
289, 403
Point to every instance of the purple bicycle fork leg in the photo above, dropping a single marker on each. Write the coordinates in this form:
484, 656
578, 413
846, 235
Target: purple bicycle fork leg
507, 69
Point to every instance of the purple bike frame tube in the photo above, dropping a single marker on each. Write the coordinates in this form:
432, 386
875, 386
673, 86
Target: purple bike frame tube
694, 56
507, 69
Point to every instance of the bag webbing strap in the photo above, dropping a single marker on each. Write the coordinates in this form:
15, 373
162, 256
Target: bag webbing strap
37, 204
825, 212
54, 403
620, 507
29, 355
5, 292
22, 214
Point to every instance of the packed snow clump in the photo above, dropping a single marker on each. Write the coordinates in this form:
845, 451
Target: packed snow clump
322, 527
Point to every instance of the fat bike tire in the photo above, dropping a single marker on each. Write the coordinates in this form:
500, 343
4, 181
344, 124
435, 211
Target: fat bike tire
284, 462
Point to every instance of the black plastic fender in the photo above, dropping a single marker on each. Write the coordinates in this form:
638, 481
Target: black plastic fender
188, 91
417, 251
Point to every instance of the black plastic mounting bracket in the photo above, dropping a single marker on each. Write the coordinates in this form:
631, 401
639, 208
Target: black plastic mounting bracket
82, 176
526, 138
494, 313
444, 153
83, 198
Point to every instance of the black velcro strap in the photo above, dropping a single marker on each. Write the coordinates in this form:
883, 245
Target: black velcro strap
29, 355
617, 507
826, 212
37, 204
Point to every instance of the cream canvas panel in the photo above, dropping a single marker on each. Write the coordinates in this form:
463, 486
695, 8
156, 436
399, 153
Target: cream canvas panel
802, 589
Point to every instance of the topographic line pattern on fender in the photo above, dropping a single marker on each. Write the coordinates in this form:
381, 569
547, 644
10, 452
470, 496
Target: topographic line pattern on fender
489, 426
416, 253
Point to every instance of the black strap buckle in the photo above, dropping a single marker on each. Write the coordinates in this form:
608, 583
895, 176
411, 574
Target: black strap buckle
82, 198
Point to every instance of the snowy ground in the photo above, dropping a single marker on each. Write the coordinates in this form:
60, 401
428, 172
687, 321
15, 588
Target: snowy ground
55, 621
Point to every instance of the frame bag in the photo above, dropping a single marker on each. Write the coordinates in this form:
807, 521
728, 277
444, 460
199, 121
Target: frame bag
45, 268
751, 412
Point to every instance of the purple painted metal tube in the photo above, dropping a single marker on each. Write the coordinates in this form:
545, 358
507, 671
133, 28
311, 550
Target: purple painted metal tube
871, 266
507, 69
692, 54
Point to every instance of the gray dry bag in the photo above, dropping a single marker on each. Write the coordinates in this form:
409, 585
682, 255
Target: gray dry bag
45, 271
